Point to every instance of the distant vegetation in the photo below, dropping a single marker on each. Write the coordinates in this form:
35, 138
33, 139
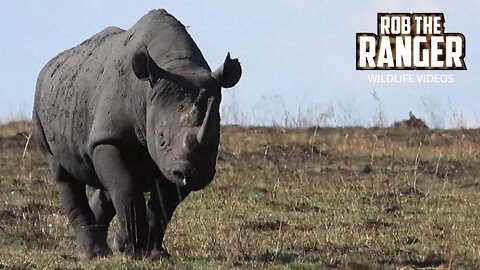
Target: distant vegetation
273, 111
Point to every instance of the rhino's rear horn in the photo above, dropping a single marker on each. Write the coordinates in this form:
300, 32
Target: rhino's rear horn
228, 74
205, 131
144, 67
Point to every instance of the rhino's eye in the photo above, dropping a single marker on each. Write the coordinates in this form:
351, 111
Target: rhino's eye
161, 139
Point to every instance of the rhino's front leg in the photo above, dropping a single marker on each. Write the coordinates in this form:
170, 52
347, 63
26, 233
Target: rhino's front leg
126, 196
163, 201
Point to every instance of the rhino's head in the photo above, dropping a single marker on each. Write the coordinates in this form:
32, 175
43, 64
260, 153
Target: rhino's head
182, 116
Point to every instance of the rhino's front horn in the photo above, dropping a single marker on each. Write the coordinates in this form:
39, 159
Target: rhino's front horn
228, 74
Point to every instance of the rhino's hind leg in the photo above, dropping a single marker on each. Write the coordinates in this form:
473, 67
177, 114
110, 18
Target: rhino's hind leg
74, 200
160, 210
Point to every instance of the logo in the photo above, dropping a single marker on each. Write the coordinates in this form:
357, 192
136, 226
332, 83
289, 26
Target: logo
411, 41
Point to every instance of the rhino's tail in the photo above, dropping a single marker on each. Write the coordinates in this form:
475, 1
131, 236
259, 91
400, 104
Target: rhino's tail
39, 133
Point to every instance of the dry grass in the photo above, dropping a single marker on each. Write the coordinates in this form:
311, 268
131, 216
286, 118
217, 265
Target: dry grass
337, 198
14, 127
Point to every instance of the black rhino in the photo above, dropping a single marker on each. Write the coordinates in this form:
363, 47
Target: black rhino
129, 112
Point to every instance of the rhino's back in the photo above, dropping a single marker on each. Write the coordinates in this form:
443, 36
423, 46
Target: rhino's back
66, 94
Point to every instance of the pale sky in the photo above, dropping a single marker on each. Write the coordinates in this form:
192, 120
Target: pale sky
298, 56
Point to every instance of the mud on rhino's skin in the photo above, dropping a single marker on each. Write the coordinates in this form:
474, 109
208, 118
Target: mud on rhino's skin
129, 112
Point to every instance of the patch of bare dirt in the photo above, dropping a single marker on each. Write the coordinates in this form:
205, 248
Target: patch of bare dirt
7, 216
266, 225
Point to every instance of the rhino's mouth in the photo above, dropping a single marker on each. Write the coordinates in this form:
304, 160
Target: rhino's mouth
179, 178
189, 178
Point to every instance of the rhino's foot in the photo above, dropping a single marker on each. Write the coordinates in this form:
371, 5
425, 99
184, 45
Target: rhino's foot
119, 242
158, 254
94, 253
153, 255
91, 242
137, 252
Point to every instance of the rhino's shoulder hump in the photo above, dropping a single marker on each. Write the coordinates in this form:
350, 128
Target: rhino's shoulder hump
101, 36
167, 39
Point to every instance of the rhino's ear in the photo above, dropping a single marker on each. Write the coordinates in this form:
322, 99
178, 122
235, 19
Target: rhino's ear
228, 74
144, 67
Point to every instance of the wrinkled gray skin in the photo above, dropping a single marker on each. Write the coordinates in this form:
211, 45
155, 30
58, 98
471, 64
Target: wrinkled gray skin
129, 112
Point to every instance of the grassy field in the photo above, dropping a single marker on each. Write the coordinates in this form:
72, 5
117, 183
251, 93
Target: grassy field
334, 198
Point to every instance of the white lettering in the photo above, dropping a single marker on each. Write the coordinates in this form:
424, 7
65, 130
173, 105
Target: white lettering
367, 51
385, 53
435, 51
420, 60
453, 55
